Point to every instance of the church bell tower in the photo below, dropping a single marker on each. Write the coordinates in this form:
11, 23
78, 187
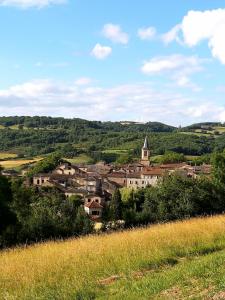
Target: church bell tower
145, 154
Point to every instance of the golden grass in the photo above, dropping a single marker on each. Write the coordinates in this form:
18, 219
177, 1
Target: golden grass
63, 270
5, 155
17, 162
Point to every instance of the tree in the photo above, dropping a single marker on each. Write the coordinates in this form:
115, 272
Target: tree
116, 205
124, 159
172, 157
83, 224
46, 165
7, 218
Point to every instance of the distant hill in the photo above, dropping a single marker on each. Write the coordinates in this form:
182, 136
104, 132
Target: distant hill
31, 136
55, 123
203, 125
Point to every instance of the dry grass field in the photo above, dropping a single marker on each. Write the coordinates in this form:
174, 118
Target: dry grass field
5, 155
14, 163
182, 260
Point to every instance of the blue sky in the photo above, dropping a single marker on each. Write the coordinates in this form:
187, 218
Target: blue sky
113, 60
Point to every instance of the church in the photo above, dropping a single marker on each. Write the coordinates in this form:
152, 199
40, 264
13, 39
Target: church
145, 154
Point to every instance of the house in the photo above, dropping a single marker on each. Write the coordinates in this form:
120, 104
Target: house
68, 169
93, 197
42, 180
118, 177
148, 177
68, 192
94, 209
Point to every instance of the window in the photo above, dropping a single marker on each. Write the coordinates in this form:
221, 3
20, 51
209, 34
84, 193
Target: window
38, 181
95, 213
42, 181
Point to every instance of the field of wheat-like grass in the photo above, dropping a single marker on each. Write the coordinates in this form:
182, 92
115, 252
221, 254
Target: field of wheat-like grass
134, 264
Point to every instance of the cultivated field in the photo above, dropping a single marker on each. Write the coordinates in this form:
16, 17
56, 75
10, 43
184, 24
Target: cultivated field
14, 163
5, 155
183, 260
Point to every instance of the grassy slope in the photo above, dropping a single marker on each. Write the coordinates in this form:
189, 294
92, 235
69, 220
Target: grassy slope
172, 261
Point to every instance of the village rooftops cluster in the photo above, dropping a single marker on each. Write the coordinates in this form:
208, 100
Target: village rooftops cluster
95, 184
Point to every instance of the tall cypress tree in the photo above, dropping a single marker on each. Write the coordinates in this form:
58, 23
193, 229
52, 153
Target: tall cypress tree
116, 205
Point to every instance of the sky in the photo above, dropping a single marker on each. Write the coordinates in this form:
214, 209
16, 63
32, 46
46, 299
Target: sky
117, 60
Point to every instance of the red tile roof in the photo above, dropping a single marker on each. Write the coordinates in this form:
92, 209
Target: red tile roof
153, 171
93, 204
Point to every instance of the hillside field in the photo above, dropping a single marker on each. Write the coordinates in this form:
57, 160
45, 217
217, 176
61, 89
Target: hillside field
15, 163
182, 260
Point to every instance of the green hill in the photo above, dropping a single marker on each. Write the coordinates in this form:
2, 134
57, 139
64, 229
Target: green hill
182, 260
32, 136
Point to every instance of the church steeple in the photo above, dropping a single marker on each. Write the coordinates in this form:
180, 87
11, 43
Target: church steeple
145, 144
145, 154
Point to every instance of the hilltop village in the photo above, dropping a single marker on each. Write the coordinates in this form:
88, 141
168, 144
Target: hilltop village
96, 183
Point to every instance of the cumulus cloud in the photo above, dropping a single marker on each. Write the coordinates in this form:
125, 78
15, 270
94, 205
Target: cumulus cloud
101, 52
115, 34
30, 3
147, 33
137, 102
198, 26
83, 81
178, 67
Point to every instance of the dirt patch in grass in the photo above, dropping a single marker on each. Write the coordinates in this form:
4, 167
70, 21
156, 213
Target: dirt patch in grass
219, 296
172, 293
109, 280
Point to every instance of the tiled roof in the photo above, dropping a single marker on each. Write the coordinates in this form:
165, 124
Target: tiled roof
93, 204
153, 171
117, 175
134, 175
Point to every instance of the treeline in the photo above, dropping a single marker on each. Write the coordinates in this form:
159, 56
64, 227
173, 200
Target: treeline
30, 215
56, 123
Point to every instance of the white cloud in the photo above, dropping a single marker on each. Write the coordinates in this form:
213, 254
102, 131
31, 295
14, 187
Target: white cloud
172, 35
124, 102
178, 67
167, 63
115, 34
30, 3
101, 52
198, 26
147, 33
83, 81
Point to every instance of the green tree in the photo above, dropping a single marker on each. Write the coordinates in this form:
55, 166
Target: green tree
116, 205
46, 165
172, 157
7, 218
